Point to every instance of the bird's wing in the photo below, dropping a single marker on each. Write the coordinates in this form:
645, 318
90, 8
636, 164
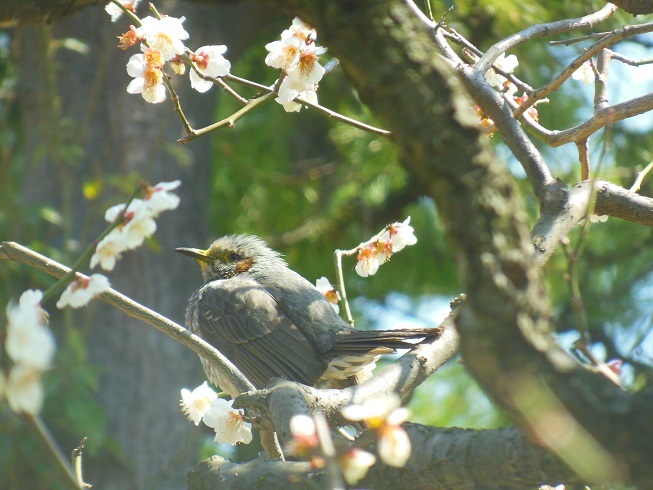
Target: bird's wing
243, 321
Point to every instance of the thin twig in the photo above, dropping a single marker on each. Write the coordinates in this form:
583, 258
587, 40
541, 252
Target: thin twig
600, 119
247, 83
86, 255
574, 287
339, 276
567, 42
640, 178
77, 463
328, 452
601, 366
584, 158
337, 255
48, 440
228, 121
216, 80
628, 61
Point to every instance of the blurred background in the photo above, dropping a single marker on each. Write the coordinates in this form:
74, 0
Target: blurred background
73, 142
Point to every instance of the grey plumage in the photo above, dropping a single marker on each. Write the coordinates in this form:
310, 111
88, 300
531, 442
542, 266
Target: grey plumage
271, 322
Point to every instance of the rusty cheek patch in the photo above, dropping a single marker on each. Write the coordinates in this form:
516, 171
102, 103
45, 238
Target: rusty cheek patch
244, 265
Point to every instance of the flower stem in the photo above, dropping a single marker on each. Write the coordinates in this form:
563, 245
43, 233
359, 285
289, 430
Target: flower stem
46, 437
58, 286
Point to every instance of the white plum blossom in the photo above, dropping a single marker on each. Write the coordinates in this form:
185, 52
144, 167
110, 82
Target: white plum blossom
228, 423
82, 290
309, 95
299, 29
368, 262
303, 77
584, 73
109, 250
159, 198
148, 76
284, 54
374, 411
297, 56
329, 292
116, 12
197, 402
209, 60
29, 342
304, 440
138, 223
355, 464
166, 35
385, 416
23, 389
401, 235
504, 63
393, 445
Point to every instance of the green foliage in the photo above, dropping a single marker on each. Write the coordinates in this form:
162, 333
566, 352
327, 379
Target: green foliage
452, 399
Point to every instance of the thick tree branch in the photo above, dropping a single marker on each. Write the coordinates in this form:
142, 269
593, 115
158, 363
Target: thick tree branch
563, 208
447, 459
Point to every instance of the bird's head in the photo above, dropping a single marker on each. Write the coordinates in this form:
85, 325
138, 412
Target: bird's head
232, 255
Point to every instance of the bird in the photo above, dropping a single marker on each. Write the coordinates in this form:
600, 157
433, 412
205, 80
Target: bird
271, 322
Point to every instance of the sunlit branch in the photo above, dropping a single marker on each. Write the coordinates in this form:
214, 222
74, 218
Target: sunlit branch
607, 40
600, 119
228, 121
640, 178
542, 30
568, 42
628, 61
584, 158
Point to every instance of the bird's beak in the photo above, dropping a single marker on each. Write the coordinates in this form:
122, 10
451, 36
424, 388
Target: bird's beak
196, 253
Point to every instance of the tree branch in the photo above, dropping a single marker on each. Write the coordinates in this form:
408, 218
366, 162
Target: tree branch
447, 459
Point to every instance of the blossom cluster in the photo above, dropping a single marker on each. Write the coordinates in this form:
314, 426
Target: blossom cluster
353, 462
203, 404
585, 74
296, 55
395, 238
137, 222
162, 40
382, 415
29, 343
31, 346
506, 64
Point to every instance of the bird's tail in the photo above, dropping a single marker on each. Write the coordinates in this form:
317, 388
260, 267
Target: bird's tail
354, 341
355, 352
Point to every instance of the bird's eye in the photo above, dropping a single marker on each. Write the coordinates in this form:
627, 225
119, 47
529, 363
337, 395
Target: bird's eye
234, 257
